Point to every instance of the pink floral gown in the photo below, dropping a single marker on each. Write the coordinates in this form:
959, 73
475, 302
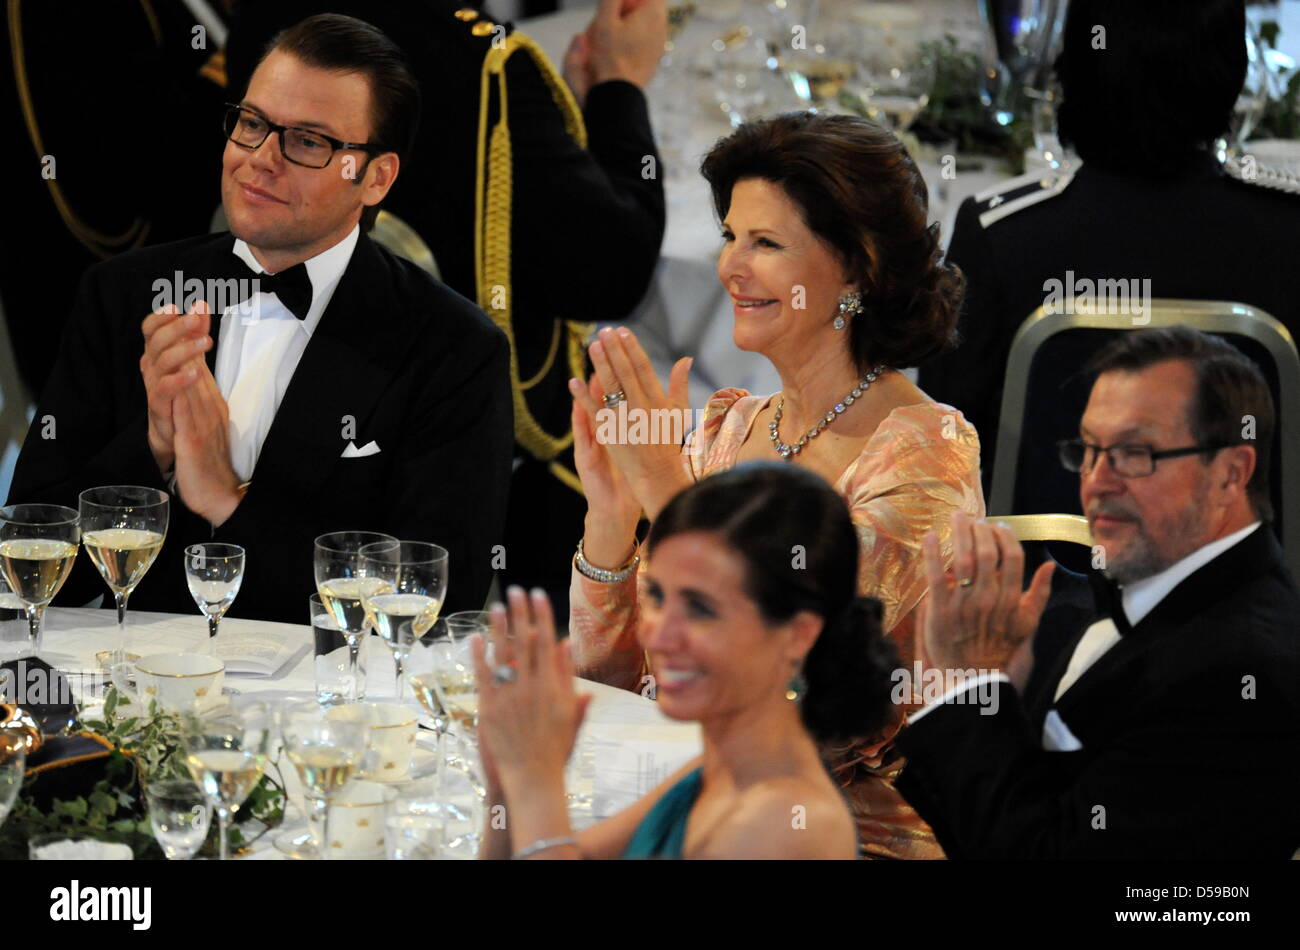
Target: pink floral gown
921, 463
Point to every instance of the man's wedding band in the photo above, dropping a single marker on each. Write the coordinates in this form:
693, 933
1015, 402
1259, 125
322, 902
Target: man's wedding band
613, 399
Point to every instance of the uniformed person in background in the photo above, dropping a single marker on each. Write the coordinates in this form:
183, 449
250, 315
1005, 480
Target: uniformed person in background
577, 240
106, 110
1149, 201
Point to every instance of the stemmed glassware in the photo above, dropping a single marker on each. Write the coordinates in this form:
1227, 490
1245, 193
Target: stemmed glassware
343, 588
123, 529
405, 605
38, 545
214, 572
226, 751
325, 752
179, 815
444, 658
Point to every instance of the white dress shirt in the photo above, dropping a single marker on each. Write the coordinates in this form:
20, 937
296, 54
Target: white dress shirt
257, 356
1139, 599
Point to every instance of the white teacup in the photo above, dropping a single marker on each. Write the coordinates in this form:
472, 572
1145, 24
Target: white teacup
356, 821
179, 682
391, 741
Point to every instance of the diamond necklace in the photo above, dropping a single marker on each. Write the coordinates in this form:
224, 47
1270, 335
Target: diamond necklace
789, 451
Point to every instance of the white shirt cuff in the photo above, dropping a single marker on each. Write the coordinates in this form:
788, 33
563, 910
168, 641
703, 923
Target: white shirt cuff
958, 690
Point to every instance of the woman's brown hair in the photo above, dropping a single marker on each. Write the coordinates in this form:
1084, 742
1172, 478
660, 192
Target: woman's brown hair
861, 193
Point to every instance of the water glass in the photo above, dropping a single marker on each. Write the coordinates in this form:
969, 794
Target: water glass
179, 815
415, 820
214, 573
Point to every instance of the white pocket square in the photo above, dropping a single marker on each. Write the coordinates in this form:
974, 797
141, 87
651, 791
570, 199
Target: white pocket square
1057, 736
352, 452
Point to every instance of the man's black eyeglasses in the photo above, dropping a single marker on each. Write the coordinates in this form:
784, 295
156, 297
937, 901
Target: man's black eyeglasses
1129, 460
248, 129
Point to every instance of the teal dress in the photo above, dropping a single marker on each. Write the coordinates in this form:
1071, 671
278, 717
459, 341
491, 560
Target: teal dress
662, 832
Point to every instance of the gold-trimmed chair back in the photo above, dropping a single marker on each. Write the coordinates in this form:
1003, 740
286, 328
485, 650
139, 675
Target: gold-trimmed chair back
1073, 528
1218, 317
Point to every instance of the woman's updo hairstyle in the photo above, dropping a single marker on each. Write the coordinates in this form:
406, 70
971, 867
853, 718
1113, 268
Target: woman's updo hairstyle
861, 193
800, 551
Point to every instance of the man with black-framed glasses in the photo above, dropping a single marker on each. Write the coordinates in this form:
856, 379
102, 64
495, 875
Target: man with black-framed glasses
1164, 723
291, 377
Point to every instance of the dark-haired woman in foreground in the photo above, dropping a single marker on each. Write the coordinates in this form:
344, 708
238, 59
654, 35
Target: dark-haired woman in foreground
838, 280
765, 652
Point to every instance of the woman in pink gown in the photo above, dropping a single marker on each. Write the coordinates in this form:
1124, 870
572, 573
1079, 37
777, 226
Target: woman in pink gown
838, 280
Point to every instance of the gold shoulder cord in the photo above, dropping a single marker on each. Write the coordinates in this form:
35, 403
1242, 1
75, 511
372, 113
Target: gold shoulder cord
101, 245
492, 218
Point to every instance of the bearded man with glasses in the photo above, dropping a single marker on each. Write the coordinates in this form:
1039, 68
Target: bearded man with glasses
331, 385
1165, 723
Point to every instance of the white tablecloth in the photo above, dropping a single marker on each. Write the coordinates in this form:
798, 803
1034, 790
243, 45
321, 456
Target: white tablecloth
626, 745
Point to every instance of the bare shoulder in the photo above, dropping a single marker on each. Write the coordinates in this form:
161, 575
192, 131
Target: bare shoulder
788, 818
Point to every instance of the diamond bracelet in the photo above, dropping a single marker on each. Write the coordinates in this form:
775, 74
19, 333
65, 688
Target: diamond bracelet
587, 569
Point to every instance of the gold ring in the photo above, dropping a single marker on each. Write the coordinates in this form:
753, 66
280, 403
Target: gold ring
966, 581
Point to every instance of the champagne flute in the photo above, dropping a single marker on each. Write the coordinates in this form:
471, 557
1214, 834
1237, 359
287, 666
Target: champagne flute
215, 572
437, 657
325, 752
342, 588
38, 545
226, 750
414, 585
123, 528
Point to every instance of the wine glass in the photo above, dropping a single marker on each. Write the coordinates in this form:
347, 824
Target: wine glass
214, 572
13, 766
414, 584
226, 750
179, 815
38, 545
123, 528
342, 588
325, 752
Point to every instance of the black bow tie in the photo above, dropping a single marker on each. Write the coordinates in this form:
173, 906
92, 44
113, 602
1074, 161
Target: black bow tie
1110, 601
292, 286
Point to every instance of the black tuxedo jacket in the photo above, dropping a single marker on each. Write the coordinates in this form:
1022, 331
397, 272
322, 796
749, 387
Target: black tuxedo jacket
397, 358
1190, 728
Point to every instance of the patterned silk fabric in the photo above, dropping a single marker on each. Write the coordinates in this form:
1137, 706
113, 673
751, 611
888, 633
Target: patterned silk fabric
921, 463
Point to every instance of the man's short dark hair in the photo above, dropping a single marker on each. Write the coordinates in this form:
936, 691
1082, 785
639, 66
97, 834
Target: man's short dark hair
1229, 388
345, 44
1161, 90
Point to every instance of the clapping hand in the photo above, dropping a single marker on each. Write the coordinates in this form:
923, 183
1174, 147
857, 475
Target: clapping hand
653, 468
976, 615
174, 345
625, 40
612, 508
529, 712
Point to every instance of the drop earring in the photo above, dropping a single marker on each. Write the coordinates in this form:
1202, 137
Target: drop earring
796, 688
850, 306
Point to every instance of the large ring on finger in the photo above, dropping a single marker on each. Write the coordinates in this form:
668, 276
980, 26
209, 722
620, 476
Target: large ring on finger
503, 674
613, 399
966, 581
